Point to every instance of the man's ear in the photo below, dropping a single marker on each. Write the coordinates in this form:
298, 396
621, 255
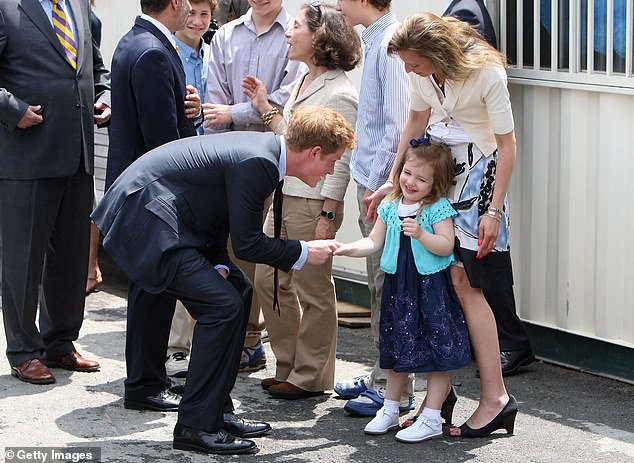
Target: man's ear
315, 151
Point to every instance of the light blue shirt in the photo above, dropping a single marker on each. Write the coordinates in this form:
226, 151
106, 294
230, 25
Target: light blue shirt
383, 106
47, 5
195, 63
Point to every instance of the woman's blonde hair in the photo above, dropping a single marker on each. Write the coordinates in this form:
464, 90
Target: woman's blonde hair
438, 157
319, 126
454, 47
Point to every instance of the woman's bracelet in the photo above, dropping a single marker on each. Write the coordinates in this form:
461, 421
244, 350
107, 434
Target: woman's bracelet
495, 210
268, 116
493, 215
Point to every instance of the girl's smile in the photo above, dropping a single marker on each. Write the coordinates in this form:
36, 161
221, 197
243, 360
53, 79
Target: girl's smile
416, 181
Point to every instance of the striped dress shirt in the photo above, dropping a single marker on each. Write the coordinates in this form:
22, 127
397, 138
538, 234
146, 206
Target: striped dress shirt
383, 106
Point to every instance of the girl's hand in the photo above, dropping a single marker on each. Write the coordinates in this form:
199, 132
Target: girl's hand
256, 91
488, 230
343, 250
411, 228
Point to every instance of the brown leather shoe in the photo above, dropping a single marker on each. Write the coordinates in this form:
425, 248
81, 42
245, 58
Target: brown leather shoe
72, 361
289, 391
33, 371
268, 382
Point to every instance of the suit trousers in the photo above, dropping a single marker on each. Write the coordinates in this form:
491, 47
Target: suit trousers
149, 319
511, 332
378, 376
45, 235
304, 335
220, 308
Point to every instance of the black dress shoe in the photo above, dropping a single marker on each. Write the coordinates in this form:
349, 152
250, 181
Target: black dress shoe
163, 401
512, 361
242, 428
186, 438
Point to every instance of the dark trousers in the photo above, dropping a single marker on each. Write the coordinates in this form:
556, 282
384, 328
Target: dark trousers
45, 234
149, 320
220, 308
511, 332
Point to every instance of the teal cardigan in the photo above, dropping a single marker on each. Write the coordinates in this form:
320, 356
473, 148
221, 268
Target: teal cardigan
426, 261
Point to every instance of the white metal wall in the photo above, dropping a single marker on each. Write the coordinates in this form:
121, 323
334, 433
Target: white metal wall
571, 214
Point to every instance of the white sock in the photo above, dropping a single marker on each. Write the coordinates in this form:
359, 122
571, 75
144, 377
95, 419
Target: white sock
391, 406
432, 414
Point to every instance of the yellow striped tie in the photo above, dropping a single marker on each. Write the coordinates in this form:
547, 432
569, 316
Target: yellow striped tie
64, 33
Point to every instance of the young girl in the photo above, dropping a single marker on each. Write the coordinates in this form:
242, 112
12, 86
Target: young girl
422, 328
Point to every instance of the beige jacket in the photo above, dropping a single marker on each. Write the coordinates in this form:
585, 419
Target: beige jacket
335, 90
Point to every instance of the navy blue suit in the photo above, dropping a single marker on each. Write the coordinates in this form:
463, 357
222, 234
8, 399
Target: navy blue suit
166, 221
148, 98
475, 13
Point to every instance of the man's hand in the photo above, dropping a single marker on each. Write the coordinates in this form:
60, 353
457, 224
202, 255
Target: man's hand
371, 200
192, 102
217, 114
319, 251
325, 229
102, 113
223, 272
31, 117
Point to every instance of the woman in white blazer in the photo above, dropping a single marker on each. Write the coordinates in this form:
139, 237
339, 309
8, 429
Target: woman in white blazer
304, 337
459, 97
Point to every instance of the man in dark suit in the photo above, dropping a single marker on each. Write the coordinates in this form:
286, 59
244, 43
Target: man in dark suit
49, 77
475, 13
166, 221
153, 106
515, 346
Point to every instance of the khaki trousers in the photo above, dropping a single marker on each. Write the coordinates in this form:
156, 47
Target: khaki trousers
378, 376
304, 336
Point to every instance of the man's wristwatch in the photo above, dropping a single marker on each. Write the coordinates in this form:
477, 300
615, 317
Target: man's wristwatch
330, 215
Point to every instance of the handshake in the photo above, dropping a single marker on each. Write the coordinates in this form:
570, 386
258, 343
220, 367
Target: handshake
319, 251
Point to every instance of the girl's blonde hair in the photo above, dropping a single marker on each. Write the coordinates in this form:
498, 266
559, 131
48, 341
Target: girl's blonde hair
454, 47
438, 157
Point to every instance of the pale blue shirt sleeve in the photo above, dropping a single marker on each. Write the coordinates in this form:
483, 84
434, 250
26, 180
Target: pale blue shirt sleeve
303, 257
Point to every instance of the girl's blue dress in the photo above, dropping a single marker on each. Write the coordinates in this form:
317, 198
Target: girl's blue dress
422, 326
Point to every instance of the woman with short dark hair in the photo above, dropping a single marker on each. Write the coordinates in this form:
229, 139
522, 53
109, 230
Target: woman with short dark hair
304, 338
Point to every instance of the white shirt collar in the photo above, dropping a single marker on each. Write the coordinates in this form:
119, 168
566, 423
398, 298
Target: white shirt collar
161, 27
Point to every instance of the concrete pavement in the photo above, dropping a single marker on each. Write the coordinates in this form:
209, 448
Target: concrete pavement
564, 415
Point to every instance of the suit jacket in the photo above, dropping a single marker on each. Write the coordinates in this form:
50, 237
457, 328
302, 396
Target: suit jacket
34, 70
475, 13
192, 193
148, 97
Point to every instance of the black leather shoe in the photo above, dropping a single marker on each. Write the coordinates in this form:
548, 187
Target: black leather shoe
163, 401
242, 428
512, 361
186, 438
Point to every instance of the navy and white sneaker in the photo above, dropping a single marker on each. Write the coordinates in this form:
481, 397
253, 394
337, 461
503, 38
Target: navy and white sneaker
371, 401
253, 358
351, 389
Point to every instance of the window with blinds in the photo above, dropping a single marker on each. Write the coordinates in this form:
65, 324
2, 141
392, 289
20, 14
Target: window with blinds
576, 41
